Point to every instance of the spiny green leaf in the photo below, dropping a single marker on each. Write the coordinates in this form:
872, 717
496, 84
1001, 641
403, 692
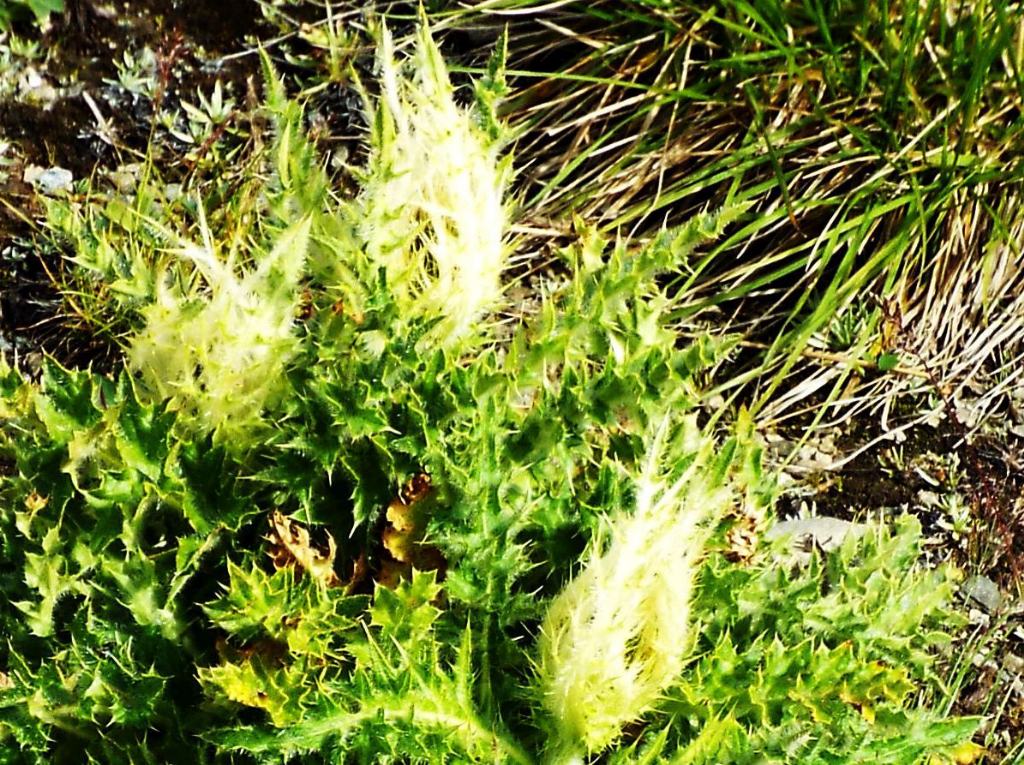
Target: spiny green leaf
142, 433
66, 401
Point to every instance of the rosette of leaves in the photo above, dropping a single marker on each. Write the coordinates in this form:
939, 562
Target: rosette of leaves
528, 447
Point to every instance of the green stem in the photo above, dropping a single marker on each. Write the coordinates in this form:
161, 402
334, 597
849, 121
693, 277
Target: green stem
463, 724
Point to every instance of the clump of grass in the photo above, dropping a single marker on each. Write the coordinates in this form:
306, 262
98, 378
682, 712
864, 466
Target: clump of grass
877, 145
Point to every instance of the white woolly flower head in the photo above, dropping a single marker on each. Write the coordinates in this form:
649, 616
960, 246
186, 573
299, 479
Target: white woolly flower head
217, 348
617, 636
432, 209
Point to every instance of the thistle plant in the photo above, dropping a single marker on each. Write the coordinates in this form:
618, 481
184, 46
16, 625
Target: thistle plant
212, 312
299, 370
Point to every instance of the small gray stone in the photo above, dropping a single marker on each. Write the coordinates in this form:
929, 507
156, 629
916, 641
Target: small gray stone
824, 531
982, 591
820, 531
978, 618
51, 180
1013, 663
126, 177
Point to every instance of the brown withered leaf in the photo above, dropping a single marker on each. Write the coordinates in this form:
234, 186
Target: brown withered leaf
35, 502
405, 528
290, 545
403, 534
415, 489
340, 309
399, 543
391, 572
305, 309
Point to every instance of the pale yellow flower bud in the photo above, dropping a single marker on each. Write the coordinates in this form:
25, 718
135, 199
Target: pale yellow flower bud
618, 634
432, 208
